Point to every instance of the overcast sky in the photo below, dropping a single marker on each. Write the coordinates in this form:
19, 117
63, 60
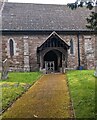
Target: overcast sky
44, 1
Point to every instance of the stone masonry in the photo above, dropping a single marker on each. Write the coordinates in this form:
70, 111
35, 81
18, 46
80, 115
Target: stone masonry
25, 58
26, 54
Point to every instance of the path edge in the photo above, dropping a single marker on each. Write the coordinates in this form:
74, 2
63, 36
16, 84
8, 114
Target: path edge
3, 111
71, 101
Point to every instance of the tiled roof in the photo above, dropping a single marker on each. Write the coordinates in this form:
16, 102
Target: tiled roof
26, 16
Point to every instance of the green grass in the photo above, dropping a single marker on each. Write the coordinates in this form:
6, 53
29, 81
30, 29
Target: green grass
15, 85
9, 94
0, 75
82, 88
26, 77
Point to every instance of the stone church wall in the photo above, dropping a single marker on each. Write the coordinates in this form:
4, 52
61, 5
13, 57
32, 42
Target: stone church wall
72, 58
34, 42
89, 48
25, 51
17, 61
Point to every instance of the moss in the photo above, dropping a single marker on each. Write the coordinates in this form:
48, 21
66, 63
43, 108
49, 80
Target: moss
47, 98
15, 85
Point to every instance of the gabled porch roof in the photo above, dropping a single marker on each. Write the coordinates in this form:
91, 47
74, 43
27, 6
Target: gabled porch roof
54, 40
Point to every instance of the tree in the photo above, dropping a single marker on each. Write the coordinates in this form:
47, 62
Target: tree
90, 4
92, 20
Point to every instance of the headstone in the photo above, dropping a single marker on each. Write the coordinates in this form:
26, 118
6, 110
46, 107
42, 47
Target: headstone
4, 69
95, 73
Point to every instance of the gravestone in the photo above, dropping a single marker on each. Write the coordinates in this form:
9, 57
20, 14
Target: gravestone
96, 69
4, 69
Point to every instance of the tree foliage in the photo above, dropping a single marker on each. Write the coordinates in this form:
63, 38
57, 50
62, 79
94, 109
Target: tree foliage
89, 4
92, 21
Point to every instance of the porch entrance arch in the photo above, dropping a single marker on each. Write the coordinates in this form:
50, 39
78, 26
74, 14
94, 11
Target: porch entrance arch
52, 54
52, 60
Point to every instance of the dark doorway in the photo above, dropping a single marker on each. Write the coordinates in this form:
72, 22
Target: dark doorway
51, 56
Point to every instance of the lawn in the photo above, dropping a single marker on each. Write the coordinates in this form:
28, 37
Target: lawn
22, 77
15, 85
82, 90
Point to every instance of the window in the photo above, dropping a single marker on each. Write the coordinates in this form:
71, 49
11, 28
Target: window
71, 47
11, 46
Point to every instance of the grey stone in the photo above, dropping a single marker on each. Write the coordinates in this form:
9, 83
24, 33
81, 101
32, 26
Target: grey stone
5, 70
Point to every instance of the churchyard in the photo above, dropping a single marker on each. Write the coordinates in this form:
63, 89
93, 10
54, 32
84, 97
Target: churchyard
15, 86
81, 87
48, 40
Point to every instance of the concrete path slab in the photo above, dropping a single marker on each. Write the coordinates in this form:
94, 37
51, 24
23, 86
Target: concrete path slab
47, 98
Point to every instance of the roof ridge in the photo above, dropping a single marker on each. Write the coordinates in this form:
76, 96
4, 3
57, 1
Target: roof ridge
36, 3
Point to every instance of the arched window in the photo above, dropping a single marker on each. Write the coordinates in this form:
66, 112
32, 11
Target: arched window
71, 47
11, 46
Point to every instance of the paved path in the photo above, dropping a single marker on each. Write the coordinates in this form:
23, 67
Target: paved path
47, 98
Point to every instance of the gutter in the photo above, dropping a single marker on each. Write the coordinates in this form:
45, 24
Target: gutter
31, 32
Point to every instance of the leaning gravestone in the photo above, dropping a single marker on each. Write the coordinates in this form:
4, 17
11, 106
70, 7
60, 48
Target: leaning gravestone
96, 69
4, 69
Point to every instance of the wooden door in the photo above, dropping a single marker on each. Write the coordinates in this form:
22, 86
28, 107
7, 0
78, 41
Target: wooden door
49, 66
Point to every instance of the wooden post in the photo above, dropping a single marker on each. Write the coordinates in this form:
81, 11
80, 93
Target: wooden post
63, 64
41, 62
